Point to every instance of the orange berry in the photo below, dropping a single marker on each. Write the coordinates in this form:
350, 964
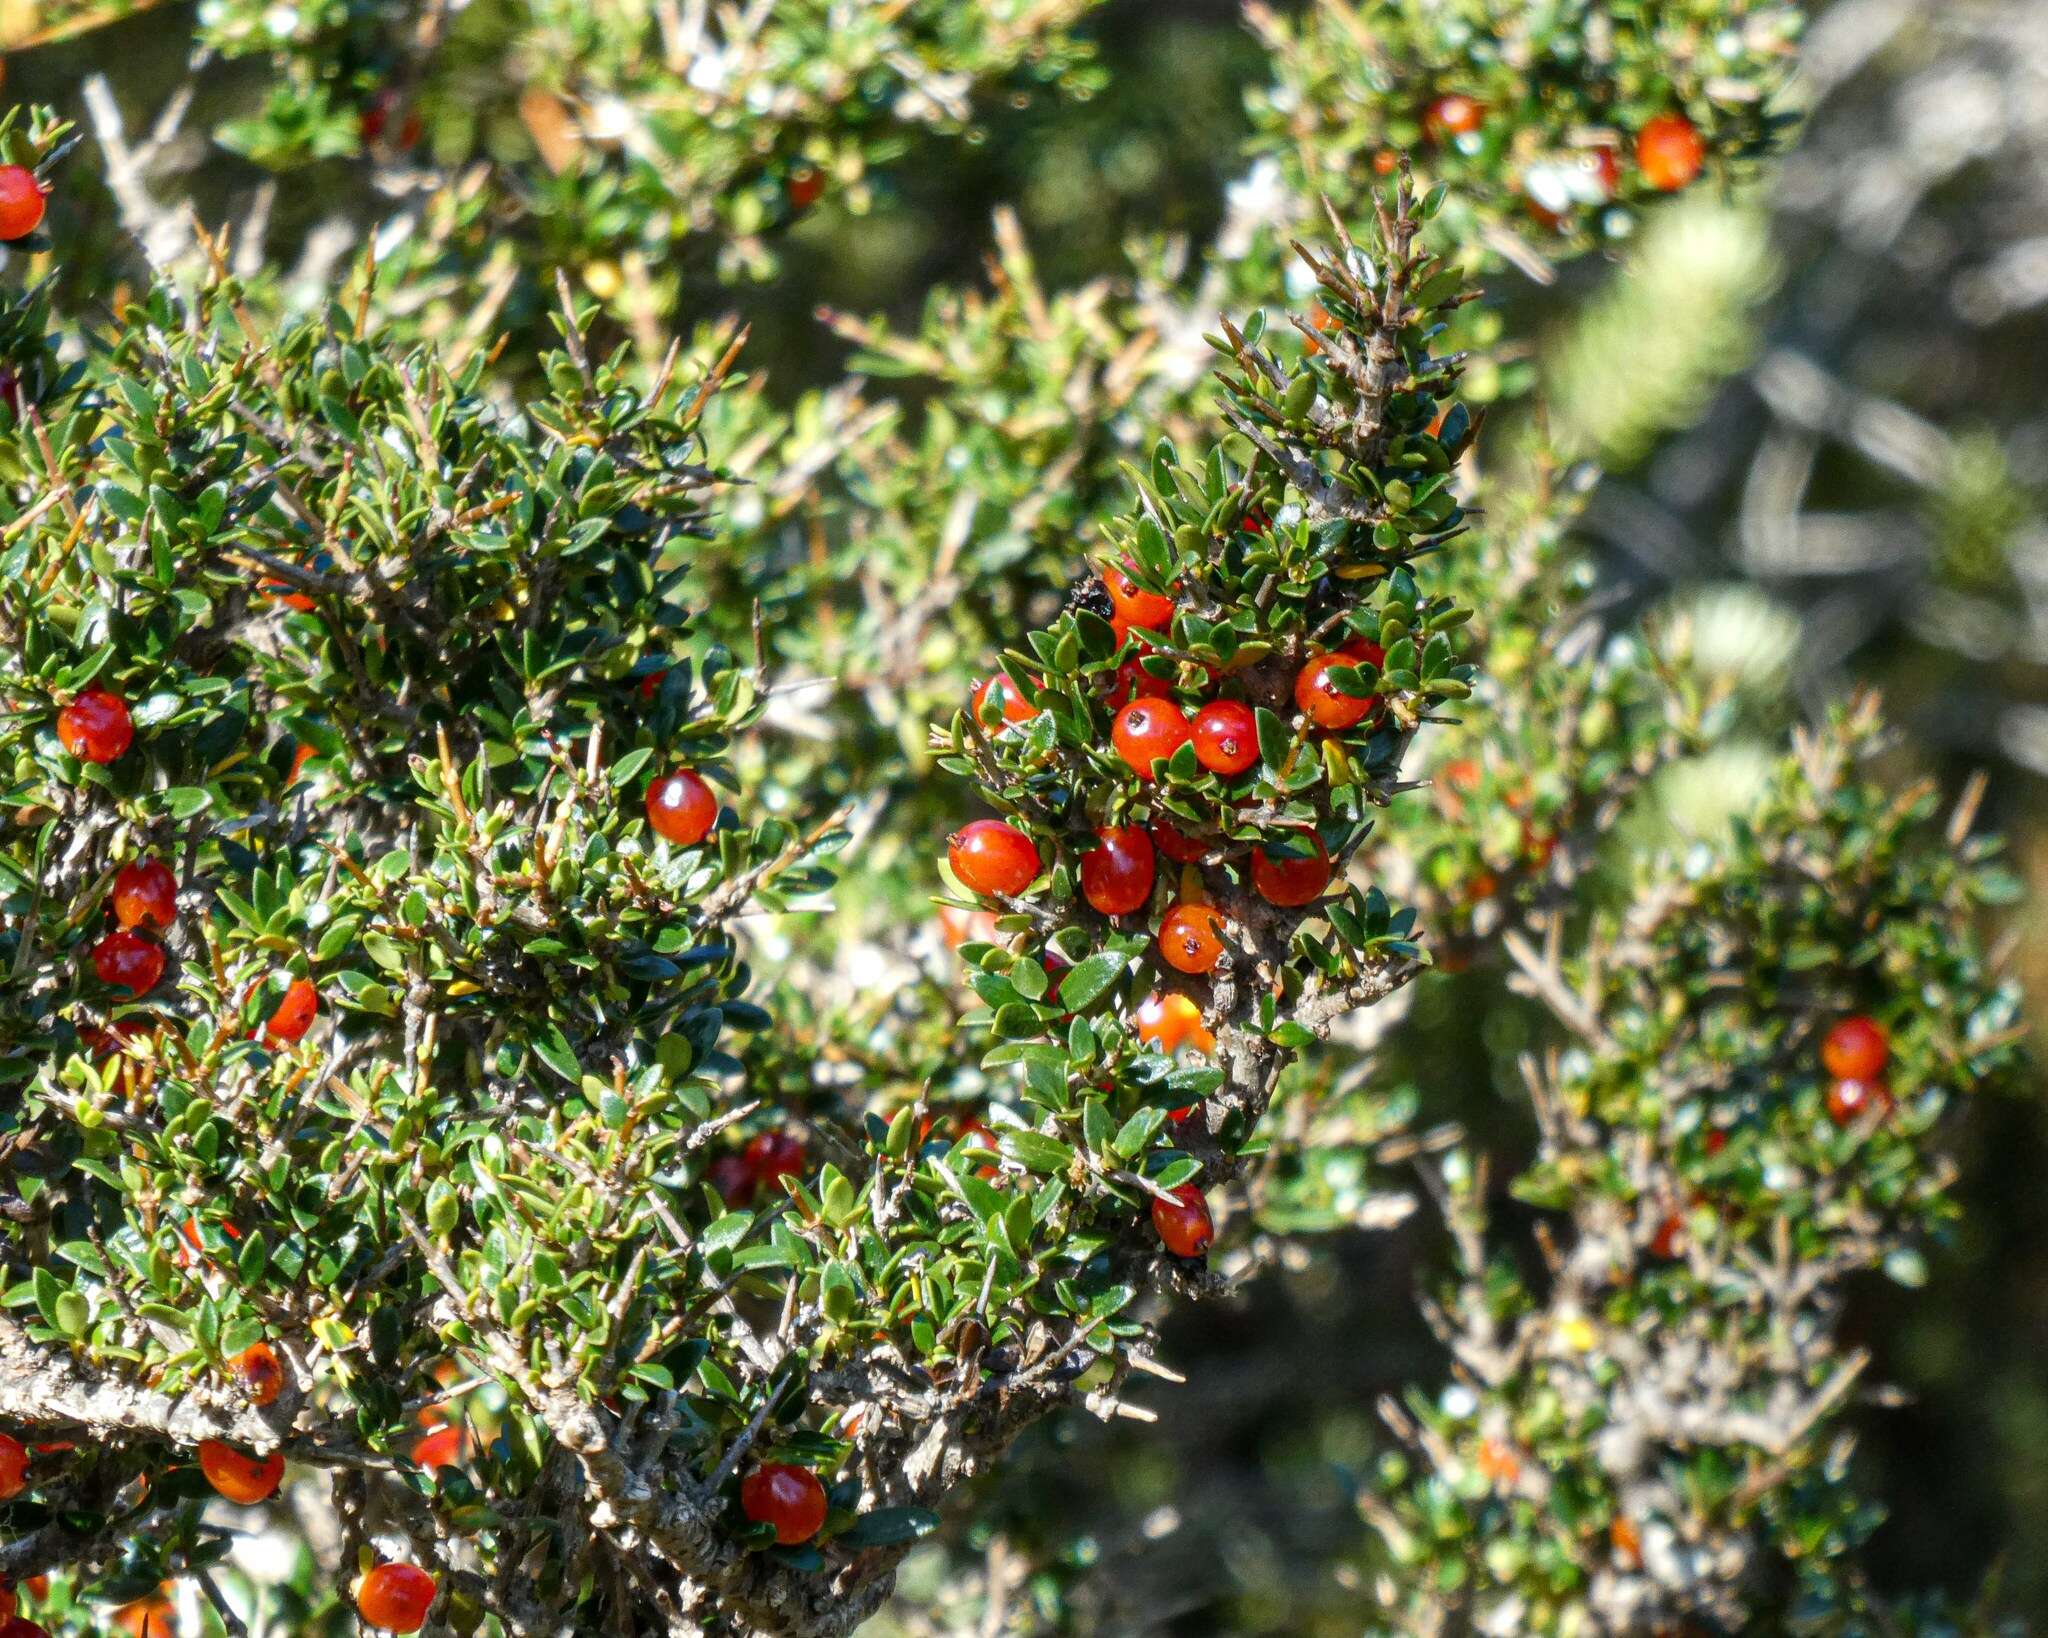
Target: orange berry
146, 891
1295, 878
803, 187
21, 202
1184, 1226
244, 1480
13, 1467
1850, 1101
1136, 606
1669, 152
294, 1015
788, 1497
260, 1372
991, 856
1455, 115
1177, 845
1320, 698
1856, 1049
438, 1449
1226, 737
1191, 938
95, 727
1007, 700
395, 1597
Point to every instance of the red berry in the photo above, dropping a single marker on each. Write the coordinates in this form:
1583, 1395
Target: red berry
1191, 938
1136, 606
681, 808
1850, 1100
146, 891
1184, 1228
128, 961
1716, 1140
790, 1498
1364, 649
1607, 170
1006, 698
1134, 682
1226, 736
302, 753
1170, 1022
96, 727
1149, 731
991, 856
769, 1155
804, 187
1664, 1243
438, 1449
1316, 695
244, 1480
650, 685
1292, 878
1669, 152
733, 1178
256, 1367
13, 1467
1177, 845
21, 202
1452, 116
1856, 1049
1116, 875
395, 1597
294, 1015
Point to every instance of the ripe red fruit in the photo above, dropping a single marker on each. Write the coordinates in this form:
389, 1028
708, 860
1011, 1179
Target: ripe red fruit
1291, 879
1226, 736
1856, 1049
790, 1498
650, 685
1116, 876
146, 891
128, 961
1170, 1022
681, 808
1316, 695
1006, 698
804, 187
258, 1370
395, 1597
1185, 1228
1664, 1243
21, 202
244, 1480
1177, 845
733, 1178
438, 1449
1452, 116
1850, 1100
769, 1155
1134, 682
992, 856
13, 1467
294, 1014
1191, 938
1136, 606
1669, 152
96, 727
1148, 731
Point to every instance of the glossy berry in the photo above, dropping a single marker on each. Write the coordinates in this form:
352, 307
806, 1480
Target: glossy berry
1320, 699
96, 727
442, 1447
1176, 844
1134, 682
992, 856
1669, 152
395, 1597
1856, 1049
1665, 1242
13, 1467
1136, 606
244, 1480
145, 891
790, 1498
1453, 116
1226, 736
1184, 1228
128, 961
769, 1155
804, 187
733, 1178
999, 694
1148, 731
1170, 1022
294, 1014
1851, 1101
681, 808
1191, 938
1116, 874
21, 202
260, 1373
1291, 878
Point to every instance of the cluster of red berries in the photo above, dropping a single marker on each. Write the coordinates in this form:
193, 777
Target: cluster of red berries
739, 1175
1855, 1053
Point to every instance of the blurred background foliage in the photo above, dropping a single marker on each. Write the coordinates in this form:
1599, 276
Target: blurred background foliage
1819, 403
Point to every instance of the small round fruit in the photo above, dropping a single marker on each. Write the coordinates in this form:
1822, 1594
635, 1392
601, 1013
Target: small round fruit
769, 1155
294, 1015
13, 1467
1176, 844
733, 1178
1455, 115
395, 1597
129, 961
1290, 878
1669, 152
260, 1373
1191, 938
442, 1447
96, 727
803, 187
788, 1497
1184, 1227
681, 808
1851, 1100
1116, 875
244, 1480
145, 891
1147, 732
1170, 1022
998, 693
992, 856
1134, 682
21, 202
1320, 699
1665, 1242
1136, 606
1856, 1049
1226, 736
